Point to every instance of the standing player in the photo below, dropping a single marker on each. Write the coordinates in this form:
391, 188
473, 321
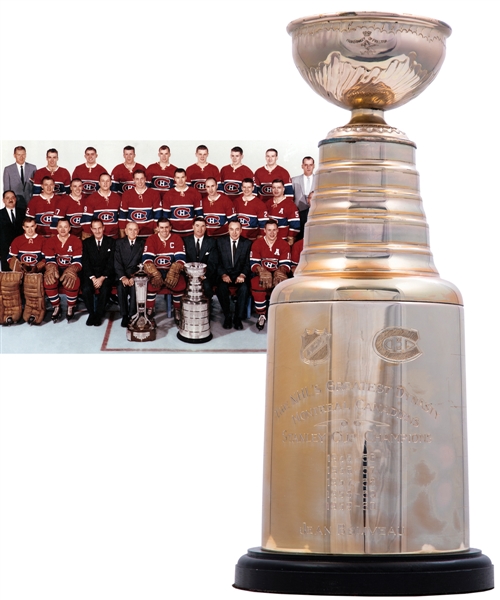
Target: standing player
104, 205
284, 212
59, 175
233, 175
164, 258
141, 205
251, 211
160, 175
264, 176
197, 173
63, 254
89, 172
181, 205
123, 174
43, 207
71, 206
218, 210
270, 264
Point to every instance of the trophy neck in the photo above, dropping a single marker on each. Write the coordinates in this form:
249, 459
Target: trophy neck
366, 218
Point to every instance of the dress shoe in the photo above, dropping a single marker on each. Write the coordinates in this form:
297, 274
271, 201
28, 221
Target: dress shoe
97, 321
261, 322
125, 321
70, 313
56, 314
228, 322
238, 324
90, 320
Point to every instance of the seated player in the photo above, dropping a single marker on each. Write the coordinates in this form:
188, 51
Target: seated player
26, 259
164, 260
270, 265
63, 253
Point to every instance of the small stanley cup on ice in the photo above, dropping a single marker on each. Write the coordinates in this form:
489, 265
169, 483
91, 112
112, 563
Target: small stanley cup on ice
365, 472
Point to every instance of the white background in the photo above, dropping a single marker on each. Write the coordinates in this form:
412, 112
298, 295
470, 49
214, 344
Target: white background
140, 477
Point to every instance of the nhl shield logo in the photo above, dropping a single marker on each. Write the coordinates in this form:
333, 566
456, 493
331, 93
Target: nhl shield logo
315, 349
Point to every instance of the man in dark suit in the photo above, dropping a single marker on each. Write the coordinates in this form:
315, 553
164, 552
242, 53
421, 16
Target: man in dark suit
11, 225
16, 177
303, 186
201, 248
234, 270
97, 272
128, 255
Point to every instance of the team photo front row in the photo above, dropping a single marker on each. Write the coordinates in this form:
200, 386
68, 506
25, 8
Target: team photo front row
102, 258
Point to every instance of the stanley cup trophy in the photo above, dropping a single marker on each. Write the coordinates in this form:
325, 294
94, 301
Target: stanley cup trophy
194, 327
365, 474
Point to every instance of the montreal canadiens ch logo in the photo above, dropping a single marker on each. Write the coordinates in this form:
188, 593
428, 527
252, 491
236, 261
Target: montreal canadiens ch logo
29, 259
182, 213
64, 261
75, 220
245, 221
163, 262
270, 263
162, 183
46, 219
267, 190
397, 344
89, 187
199, 185
128, 186
107, 217
139, 216
213, 220
231, 188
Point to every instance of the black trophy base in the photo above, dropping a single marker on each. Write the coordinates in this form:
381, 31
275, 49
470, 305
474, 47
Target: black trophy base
193, 340
366, 575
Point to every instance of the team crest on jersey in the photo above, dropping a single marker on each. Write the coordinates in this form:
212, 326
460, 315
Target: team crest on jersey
181, 212
128, 186
29, 259
162, 183
213, 220
107, 217
270, 263
163, 262
199, 185
74, 221
46, 219
267, 189
63, 261
57, 188
245, 221
315, 348
231, 188
139, 216
89, 187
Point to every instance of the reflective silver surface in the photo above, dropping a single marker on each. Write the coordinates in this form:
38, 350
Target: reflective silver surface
195, 322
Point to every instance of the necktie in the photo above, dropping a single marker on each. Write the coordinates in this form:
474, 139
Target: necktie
98, 245
132, 244
198, 249
234, 250
12, 215
22, 175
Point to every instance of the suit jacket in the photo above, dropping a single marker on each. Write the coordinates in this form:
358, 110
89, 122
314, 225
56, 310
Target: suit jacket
127, 259
100, 262
8, 231
241, 258
12, 181
299, 193
208, 254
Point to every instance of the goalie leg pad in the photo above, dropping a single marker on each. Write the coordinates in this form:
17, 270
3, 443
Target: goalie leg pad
10, 295
34, 297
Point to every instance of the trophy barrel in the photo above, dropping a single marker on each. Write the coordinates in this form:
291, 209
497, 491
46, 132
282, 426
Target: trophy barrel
194, 327
365, 470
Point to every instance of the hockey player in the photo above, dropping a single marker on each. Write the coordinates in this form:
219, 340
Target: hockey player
59, 175
122, 174
104, 205
265, 175
197, 173
63, 254
141, 205
43, 207
26, 261
270, 264
71, 206
89, 172
160, 175
283, 211
164, 258
218, 210
251, 211
181, 205
233, 175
